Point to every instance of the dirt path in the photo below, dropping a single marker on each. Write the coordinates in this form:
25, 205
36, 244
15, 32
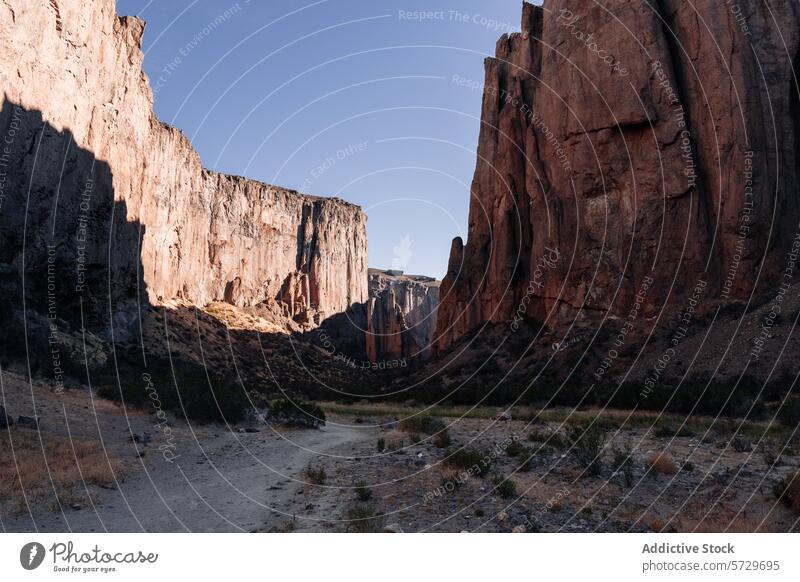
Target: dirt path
221, 481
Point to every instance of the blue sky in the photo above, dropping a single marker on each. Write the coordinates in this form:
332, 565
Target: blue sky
358, 99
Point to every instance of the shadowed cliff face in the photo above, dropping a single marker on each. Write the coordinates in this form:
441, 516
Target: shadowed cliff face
619, 169
206, 236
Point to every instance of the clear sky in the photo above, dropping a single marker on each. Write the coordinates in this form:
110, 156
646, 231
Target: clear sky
351, 98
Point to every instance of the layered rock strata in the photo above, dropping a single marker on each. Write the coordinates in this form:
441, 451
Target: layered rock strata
627, 151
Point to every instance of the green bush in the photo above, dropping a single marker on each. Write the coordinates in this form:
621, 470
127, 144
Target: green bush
505, 487
442, 439
515, 449
468, 459
622, 463
295, 413
315, 475
363, 492
364, 519
587, 445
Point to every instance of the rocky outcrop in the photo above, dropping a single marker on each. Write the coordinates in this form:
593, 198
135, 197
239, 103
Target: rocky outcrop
401, 315
393, 327
120, 204
627, 151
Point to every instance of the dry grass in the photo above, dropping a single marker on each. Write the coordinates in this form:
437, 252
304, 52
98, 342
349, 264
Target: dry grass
51, 471
608, 418
661, 463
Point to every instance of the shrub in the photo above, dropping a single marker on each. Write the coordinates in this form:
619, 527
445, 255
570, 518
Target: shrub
587, 444
315, 475
515, 449
505, 487
442, 439
552, 439
295, 413
364, 519
661, 463
421, 424
741, 445
468, 459
381, 444
414, 438
363, 492
688, 466
787, 490
479, 512
622, 462
451, 481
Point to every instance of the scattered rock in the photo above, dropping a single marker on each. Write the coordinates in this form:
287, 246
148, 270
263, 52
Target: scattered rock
518, 529
393, 528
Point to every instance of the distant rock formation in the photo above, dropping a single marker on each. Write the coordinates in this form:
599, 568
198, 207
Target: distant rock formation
401, 315
627, 151
105, 161
396, 324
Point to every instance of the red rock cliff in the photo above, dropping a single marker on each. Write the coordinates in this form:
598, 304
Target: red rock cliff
622, 141
204, 236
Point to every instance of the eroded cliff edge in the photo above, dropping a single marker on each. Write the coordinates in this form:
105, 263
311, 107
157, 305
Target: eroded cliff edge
625, 168
119, 204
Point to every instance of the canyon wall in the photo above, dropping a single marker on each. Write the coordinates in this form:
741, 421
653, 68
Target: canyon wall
394, 326
627, 151
120, 203
401, 315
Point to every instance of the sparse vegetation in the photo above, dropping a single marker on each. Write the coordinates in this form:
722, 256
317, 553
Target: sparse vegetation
504, 487
363, 492
661, 464
787, 490
468, 459
421, 423
364, 519
295, 413
315, 475
741, 445
50, 472
381, 444
587, 446
442, 439
515, 449
622, 462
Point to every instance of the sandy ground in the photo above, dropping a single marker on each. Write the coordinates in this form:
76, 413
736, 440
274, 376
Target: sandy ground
219, 480
223, 479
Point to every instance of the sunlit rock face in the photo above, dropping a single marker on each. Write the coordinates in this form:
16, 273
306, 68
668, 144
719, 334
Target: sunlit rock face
108, 171
628, 141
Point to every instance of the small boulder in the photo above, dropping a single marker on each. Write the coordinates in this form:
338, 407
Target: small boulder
504, 416
393, 528
518, 529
